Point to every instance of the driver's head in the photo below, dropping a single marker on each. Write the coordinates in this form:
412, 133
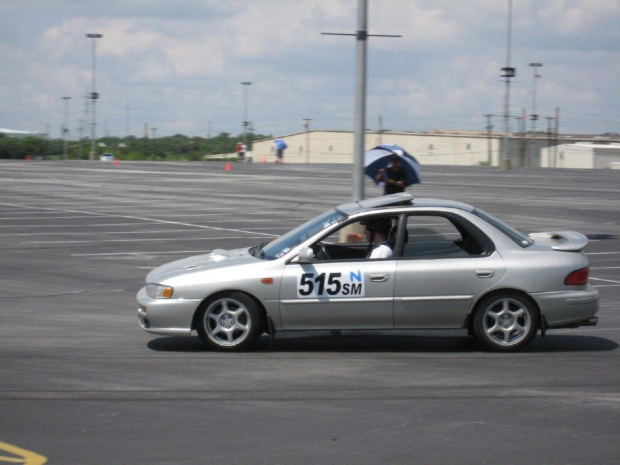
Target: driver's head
378, 225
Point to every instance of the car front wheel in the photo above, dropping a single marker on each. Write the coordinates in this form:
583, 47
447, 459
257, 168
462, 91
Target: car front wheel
505, 322
230, 323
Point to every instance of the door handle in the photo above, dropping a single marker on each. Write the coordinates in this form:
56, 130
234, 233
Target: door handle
485, 273
379, 277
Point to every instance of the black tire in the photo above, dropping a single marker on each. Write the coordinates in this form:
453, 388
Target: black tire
506, 322
231, 322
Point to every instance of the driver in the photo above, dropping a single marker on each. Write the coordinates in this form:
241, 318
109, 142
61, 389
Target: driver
377, 232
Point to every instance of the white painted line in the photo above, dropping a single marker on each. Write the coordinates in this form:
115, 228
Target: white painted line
262, 236
153, 220
603, 253
102, 233
605, 280
606, 268
113, 254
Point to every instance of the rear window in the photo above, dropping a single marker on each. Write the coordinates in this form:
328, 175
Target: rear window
516, 236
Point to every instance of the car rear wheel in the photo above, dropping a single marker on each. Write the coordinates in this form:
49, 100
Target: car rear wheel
230, 323
506, 322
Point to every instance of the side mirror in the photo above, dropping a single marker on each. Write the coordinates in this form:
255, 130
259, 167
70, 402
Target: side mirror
305, 255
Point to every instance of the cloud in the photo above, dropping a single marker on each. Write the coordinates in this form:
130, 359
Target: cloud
177, 65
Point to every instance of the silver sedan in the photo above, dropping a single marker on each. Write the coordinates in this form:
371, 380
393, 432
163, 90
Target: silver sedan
444, 265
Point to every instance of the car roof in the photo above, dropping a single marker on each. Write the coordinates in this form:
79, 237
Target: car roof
403, 199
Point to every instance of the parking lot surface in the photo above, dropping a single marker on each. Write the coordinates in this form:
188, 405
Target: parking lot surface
81, 383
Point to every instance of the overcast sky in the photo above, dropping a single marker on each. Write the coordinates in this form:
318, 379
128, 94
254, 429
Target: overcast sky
177, 65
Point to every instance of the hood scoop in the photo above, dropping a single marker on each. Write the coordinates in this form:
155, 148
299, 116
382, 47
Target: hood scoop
192, 267
219, 254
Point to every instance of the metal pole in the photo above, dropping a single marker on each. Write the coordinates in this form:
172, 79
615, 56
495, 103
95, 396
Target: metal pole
360, 100
65, 130
509, 72
307, 128
534, 115
489, 130
94, 96
154, 143
246, 123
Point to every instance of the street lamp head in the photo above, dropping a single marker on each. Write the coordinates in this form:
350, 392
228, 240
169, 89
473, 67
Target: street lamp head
536, 64
246, 83
94, 36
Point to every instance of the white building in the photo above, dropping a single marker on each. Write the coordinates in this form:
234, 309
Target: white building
581, 155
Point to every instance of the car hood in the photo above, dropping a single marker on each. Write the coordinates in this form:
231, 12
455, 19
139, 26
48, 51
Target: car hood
219, 258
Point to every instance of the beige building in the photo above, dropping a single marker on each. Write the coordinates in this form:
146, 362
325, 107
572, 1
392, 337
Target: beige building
433, 148
443, 148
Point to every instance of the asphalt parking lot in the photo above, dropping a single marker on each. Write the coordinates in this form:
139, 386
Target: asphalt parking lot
81, 383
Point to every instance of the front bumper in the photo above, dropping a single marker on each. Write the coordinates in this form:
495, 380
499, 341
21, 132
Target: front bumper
170, 317
568, 309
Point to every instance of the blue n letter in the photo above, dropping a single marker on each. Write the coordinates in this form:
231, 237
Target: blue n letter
355, 276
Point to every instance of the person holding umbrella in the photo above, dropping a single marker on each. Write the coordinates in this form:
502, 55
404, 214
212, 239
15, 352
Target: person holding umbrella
394, 177
280, 147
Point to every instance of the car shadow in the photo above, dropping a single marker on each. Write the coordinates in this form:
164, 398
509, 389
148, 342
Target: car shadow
347, 342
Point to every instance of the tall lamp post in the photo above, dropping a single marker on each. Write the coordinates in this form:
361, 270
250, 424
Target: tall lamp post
507, 73
534, 115
65, 128
93, 97
361, 37
246, 123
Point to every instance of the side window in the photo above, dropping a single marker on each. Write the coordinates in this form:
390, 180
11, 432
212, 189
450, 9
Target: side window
433, 236
358, 240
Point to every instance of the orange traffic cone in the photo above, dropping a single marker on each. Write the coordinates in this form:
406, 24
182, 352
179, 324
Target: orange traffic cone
264, 159
228, 167
117, 161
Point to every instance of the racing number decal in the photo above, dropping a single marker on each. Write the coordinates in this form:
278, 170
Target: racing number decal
331, 285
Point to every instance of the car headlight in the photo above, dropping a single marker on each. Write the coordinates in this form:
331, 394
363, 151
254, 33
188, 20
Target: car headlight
157, 291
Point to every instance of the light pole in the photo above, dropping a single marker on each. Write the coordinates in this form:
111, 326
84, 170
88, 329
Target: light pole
93, 97
361, 47
508, 72
533, 116
65, 129
307, 128
154, 143
246, 123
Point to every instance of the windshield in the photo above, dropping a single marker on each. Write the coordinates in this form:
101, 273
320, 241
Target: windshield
292, 239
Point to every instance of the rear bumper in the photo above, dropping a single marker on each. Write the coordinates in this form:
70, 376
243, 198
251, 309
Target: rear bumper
568, 309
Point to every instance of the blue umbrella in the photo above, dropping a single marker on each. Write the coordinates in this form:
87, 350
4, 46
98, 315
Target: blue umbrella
379, 157
280, 144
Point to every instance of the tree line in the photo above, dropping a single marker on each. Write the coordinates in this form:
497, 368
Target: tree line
177, 147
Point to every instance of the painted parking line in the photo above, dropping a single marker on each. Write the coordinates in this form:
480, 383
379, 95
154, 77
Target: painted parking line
19, 455
152, 220
115, 254
605, 280
176, 239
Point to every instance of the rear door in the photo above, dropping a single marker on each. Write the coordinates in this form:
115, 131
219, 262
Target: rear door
443, 268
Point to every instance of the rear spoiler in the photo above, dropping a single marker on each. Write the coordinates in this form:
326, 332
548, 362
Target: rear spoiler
566, 241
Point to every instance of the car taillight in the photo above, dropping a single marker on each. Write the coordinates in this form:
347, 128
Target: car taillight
578, 277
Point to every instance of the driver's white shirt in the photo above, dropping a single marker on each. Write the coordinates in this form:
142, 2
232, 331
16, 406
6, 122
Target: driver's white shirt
381, 251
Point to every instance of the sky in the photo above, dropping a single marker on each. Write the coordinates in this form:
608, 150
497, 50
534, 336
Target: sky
178, 65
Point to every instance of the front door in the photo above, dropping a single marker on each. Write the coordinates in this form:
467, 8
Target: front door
350, 294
